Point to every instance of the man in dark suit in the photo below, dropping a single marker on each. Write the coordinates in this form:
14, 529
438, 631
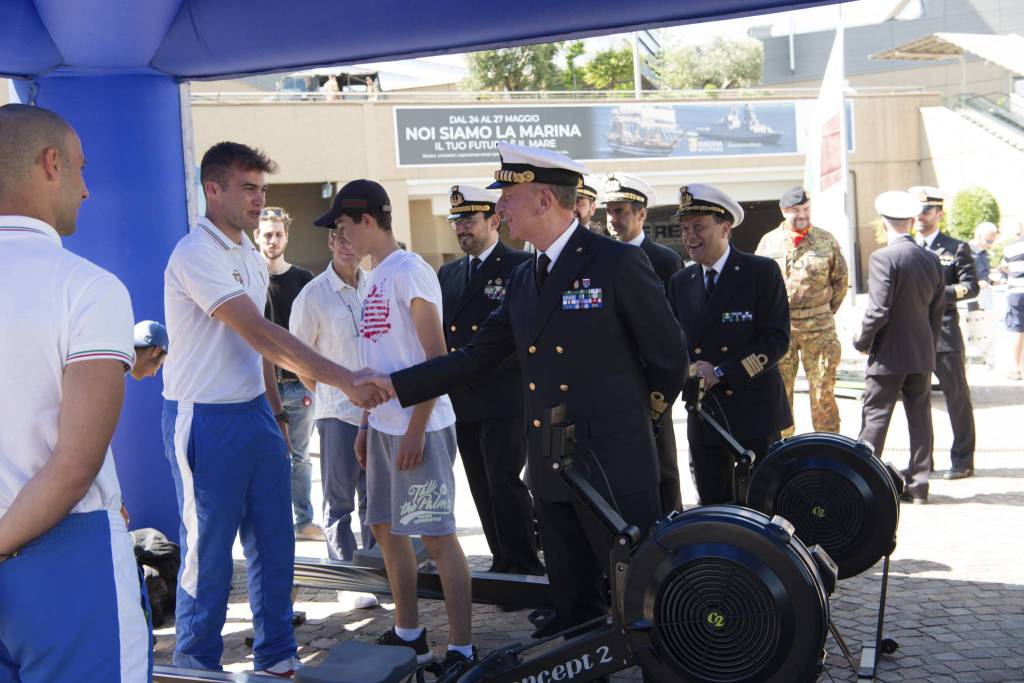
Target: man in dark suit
961, 283
626, 200
899, 332
489, 413
735, 314
592, 330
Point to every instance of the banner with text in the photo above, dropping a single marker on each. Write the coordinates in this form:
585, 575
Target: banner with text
468, 135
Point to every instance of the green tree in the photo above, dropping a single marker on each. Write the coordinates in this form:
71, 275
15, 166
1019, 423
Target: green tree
573, 51
970, 207
527, 67
610, 69
720, 64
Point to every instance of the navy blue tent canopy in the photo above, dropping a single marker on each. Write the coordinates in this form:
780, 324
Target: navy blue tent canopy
203, 39
112, 69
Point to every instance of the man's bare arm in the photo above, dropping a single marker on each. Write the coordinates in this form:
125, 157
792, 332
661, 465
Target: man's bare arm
270, 382
427, 321
91, 397
281, 348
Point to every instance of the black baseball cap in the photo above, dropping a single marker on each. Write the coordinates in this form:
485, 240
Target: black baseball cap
359, 195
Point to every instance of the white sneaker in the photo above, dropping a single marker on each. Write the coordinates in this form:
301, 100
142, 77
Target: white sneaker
365, 601
286, 668
352, 600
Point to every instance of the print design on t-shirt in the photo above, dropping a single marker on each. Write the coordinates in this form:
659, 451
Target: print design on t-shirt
376, 313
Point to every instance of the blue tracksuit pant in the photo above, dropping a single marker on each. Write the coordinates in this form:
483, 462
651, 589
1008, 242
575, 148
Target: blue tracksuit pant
72, 608
232, 475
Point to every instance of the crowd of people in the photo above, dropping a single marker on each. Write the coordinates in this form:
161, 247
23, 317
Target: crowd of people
401, 367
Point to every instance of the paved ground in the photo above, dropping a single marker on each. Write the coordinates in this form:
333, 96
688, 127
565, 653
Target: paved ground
956, 590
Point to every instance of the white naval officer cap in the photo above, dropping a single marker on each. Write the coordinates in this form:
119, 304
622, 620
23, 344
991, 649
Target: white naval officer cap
521, 164
928, 195
467, 200
700, 199
622, 187
897, 205
589, 186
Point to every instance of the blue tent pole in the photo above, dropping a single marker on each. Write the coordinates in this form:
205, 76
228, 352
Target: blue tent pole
131, 131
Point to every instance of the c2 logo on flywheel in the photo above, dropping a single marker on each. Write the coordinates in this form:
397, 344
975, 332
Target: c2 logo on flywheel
715, 619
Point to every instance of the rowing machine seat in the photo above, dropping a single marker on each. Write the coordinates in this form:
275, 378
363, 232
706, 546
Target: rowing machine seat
356, 662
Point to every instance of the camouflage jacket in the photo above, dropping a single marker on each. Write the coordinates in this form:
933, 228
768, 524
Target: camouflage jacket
814, 271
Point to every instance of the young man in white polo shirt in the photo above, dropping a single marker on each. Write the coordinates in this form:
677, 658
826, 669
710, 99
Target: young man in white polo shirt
326, 316
66, 339
228, 456
407, 452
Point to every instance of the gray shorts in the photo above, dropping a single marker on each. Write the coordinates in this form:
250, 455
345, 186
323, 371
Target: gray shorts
416, 502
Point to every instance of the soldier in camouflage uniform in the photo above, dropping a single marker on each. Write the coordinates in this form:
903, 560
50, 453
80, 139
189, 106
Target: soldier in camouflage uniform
816, 281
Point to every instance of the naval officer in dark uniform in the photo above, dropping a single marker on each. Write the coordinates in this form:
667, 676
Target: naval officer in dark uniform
899, 332
735, 313
961, 283
489, 414
586, 205
626, 199
591, 328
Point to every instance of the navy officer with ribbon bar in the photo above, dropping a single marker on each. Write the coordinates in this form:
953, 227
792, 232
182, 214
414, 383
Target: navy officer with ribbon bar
489, 414
592, 329
735, 313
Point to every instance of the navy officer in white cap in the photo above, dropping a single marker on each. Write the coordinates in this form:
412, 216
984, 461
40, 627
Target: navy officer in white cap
587, 198
489, 414
899, 332
626, 200
735, 313
961, 283
591, 329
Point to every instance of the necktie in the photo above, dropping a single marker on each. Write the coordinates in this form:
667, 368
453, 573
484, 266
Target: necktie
542, 270
709, 282
474, 265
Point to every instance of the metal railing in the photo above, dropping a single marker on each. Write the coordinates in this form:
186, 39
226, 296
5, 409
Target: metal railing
994, 107
462, 96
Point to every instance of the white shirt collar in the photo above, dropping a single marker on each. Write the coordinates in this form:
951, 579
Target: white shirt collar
484, 254
930, 239
216, 233
553, 251
27, 224
718, 265
337, 284
638, 240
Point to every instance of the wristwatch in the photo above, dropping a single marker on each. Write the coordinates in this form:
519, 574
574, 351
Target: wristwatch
281, 417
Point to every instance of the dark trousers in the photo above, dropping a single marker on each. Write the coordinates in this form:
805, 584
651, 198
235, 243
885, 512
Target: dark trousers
493, 454
880, 395
575, 569
951, 370
712, 463
668, 464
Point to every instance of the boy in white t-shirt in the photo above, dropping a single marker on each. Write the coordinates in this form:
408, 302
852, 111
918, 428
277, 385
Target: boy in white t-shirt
407, 452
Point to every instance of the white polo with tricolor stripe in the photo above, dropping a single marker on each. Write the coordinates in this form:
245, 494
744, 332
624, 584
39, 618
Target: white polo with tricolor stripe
57, 309
208, 362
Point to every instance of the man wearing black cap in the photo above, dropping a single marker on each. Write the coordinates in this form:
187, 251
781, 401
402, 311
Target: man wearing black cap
407, 451
899, 332
593, 331
626, 200
816, 282
490, 413
734, 311
961, 282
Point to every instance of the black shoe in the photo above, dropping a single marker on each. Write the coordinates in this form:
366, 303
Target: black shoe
907, 498
454, 665
954, 473
423, 653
